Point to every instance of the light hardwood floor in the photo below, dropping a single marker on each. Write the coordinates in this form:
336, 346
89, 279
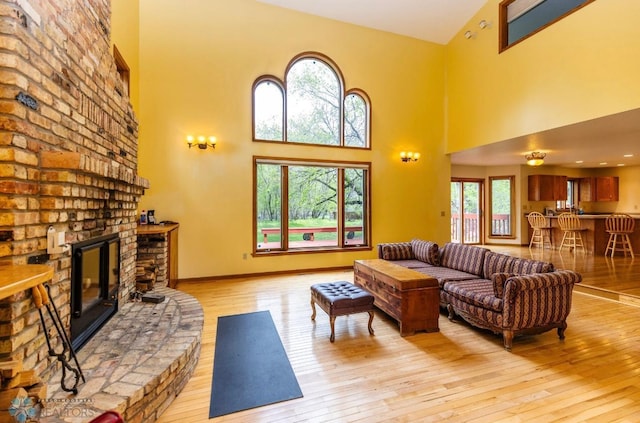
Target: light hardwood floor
459, 374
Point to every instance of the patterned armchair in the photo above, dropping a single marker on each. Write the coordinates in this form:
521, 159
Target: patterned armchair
513, 304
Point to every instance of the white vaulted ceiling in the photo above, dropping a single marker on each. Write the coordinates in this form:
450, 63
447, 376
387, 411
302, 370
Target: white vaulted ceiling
430, 20
603, 140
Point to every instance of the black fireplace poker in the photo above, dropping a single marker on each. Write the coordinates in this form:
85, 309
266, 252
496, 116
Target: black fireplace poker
41, 297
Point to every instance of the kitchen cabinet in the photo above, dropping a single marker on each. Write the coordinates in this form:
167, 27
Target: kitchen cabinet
607, 188
599, 188
547, 187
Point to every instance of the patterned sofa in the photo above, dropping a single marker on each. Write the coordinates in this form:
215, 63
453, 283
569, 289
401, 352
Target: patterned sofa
494, 291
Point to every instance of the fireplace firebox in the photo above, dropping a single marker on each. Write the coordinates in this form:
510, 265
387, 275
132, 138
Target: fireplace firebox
95, 278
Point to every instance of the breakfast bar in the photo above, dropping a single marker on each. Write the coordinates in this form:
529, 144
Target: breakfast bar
594, 236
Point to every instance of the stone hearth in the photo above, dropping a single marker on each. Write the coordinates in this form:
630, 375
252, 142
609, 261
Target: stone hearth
136, 364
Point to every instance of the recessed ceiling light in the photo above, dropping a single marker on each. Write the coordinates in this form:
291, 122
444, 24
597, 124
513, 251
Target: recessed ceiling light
579, 161
620, 164
603, 163
628, 155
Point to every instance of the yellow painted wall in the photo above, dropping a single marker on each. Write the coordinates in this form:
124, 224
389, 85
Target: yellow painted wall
198, 60
125, 34
582, 67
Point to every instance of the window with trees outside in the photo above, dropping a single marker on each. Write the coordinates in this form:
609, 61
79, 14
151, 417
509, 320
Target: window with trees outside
313, 108
308, 205
303, 203
501, 206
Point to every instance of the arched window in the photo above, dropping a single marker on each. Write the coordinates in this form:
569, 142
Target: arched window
268, 109
356, 127
311, 106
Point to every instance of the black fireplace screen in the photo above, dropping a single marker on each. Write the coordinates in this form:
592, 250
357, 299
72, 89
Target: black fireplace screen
95, 277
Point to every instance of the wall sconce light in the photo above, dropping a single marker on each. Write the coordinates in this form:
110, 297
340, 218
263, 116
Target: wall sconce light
483, 24
408, 156
535, 158
468, 35
201, 142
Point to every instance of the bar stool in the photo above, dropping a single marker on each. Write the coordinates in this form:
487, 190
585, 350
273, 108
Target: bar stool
540, 228
619, 226
572, 231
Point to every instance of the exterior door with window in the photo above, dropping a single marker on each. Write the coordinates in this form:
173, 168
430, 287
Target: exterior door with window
466, 210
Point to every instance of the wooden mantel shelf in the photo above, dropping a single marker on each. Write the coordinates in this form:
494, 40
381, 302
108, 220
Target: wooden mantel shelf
157, 229
16, 278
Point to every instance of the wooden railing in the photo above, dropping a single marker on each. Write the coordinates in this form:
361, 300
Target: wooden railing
308, 233
500, 225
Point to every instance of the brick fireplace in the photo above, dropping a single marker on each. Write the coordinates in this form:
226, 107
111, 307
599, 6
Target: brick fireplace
68, 153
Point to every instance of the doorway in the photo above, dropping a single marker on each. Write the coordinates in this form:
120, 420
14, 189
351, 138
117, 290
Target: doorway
467, 198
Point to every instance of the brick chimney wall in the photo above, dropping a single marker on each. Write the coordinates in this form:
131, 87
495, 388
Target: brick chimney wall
68, 153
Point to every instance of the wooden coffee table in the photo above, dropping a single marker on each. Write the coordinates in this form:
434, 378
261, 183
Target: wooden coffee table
410, 297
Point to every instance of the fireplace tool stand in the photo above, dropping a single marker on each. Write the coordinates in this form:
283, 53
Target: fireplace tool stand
41, 297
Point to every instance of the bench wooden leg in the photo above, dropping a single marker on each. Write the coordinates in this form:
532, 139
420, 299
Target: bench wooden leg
313, 308
332, 320
370, 321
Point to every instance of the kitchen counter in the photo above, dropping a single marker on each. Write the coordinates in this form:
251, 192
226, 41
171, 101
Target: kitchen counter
594, 215
595, 237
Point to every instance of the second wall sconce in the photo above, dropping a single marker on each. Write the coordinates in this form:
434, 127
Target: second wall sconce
408, 156
201, 142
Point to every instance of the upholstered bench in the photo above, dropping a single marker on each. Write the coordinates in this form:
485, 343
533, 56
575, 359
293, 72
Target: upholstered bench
339, 299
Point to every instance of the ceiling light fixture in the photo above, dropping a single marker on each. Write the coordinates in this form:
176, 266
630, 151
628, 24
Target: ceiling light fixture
483, 24
468, 35
535, 158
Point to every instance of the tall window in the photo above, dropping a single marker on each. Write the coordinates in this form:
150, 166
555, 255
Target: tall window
313, 109
305, 205
501, 206
467, 198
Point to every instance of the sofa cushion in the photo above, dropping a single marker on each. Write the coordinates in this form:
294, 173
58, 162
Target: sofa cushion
444, 274
478, 292
498, 280
502, 263
426, 251
466, 258
396, 251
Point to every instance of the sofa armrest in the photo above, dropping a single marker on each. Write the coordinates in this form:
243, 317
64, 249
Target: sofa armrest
395, 251
538, 299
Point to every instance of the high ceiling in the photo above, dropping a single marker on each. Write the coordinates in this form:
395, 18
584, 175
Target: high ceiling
605, 140
431, 20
